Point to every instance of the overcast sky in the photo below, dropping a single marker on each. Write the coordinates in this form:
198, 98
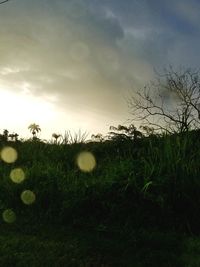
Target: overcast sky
70, 64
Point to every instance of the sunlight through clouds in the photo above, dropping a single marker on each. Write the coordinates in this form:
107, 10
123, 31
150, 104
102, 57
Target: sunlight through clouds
19, 109
88, 54
16, 106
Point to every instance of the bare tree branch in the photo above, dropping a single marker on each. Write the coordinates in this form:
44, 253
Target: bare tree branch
4, 1
170, 103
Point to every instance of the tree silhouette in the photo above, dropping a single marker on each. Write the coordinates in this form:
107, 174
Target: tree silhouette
170, 103
34, 129
122, 132
2, 2
13, 136
97, 137
5, 134
56, 137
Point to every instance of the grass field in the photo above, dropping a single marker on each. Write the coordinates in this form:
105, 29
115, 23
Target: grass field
138, 205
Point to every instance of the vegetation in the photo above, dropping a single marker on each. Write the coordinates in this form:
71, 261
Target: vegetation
130, 198
56, 137
138, 206
170, 103
34, 129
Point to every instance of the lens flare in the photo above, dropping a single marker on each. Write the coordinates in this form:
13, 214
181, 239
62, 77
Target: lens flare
86, 161
9, 216
28, 197
17, 175
9, 154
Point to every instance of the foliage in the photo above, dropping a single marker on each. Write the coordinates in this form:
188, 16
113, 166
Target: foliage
163, 170
97, 137
150, 183
56, 137
124, 132
34, 129
69, 138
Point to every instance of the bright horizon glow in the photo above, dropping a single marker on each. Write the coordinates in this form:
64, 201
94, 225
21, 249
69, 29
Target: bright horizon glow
20, 110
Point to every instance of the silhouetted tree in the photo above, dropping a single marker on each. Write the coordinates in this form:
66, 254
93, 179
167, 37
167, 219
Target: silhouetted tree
16, 136
56, 137
5, 134
170, 103
122, 132
34, 129
147, 130
13, 136
97, 137
4, 1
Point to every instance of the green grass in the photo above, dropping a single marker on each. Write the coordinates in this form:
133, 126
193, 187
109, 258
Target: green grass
138, 207
66, 246
97, 247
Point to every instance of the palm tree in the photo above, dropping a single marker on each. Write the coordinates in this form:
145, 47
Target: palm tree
56, 136
34, 129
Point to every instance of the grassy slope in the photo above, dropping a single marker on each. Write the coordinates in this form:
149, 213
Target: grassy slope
134, 208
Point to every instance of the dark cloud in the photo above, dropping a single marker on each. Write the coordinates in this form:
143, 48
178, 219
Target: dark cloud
89, 54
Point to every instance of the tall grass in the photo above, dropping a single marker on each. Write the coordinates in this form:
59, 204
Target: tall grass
138, 179
123, 213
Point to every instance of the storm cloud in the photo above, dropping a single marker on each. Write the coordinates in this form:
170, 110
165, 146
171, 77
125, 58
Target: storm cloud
86, 56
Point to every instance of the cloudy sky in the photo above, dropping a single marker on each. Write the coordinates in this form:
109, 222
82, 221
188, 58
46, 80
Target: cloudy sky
70, 64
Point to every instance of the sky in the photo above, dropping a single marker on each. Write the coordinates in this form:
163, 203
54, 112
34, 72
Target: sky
71, 64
